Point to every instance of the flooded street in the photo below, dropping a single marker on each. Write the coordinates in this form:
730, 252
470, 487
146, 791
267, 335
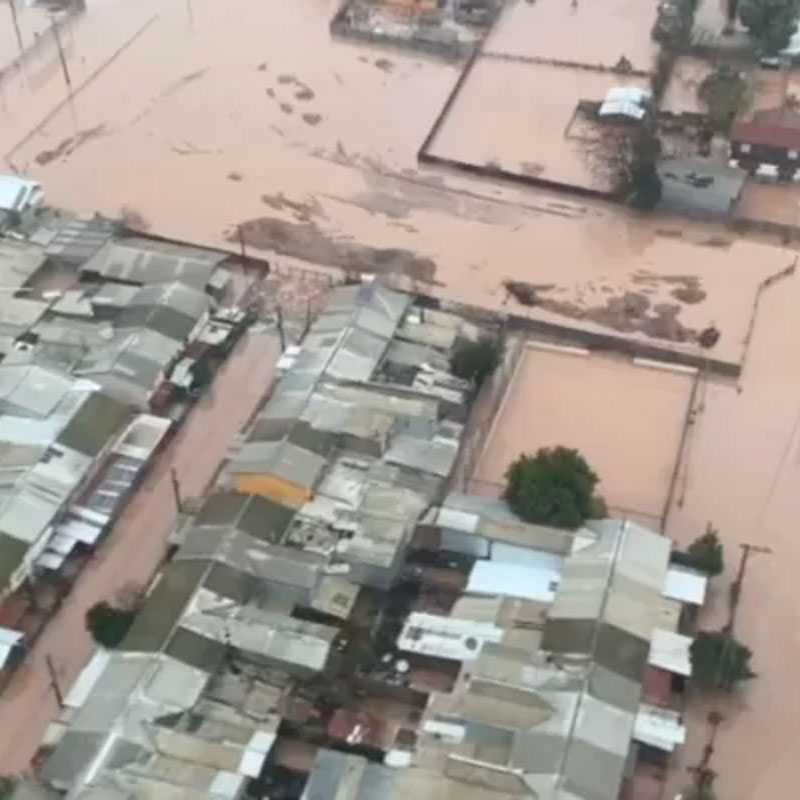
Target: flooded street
135, 546
194, 118
743, 473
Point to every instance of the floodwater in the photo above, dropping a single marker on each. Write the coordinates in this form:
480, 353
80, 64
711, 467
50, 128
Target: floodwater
605, 408
578, 31
742, 474
193, 118
532, 128
135, 546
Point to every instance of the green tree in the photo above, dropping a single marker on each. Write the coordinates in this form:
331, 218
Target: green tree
7, 786
724, 93
770, 23
702, 788
705, 552
645, 186
554, 487
719, 661
107, 624
475, 360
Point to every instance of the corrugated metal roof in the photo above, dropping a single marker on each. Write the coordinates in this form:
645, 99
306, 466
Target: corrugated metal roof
143, 261
686, 585
18, 262
672, 652
770, 128
164, 606
98, 419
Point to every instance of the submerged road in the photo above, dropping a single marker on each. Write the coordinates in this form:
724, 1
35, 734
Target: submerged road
135, 545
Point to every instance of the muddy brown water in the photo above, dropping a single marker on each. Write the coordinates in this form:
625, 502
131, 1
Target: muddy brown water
169, 146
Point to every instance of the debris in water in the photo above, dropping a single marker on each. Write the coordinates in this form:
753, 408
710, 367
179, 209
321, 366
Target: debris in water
270, 92
284, 79
262, 67
304, 94
69, 145
384, 64
308, 242
526, 294
312, 119
531, 168
303, 211
286, 108
234, 176
132, 219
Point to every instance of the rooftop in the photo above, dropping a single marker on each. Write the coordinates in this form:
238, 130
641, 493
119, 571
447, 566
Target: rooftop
770, 128
146, 261
699, 187
519, 713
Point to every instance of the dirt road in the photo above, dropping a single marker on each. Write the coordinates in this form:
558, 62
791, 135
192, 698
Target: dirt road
135, 545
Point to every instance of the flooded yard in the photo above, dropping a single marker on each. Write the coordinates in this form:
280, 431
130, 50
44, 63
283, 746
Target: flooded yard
596, 33
193, 119
625, 419
531, 129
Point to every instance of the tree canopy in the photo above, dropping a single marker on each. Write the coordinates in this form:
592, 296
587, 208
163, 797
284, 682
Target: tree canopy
719, 661
553, 487
107, 624
475, 360
7, 786
724, 93
705, 552
770, 23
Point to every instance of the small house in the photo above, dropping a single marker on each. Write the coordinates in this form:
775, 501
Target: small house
768, 142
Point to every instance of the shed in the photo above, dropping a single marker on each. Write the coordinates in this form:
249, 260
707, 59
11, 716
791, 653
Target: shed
699, 188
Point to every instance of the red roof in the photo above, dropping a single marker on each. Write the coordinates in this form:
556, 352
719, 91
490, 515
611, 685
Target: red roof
657, 686
773, 128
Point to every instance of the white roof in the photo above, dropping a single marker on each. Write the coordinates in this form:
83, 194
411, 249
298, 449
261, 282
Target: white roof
616, 108
8, 639
514, 580
458, 520
626, 101
627, 94
17, 194
88, 677
658, 727
50, 560
446, 637
686, 585
671, 651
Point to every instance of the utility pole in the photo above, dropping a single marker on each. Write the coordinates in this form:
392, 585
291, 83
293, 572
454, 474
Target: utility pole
61, 57
280, 328
176, 489
13, 9
54, 685
736, 586
241, 247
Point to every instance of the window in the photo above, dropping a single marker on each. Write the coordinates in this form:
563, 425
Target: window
793, 155
744, 147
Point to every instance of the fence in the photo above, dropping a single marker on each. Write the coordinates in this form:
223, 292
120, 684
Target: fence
484, 410
45, 40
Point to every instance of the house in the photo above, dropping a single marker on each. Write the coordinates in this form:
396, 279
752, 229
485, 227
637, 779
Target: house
550, 702
768, 142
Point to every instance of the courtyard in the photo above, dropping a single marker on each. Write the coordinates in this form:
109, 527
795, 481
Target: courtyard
626, 419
